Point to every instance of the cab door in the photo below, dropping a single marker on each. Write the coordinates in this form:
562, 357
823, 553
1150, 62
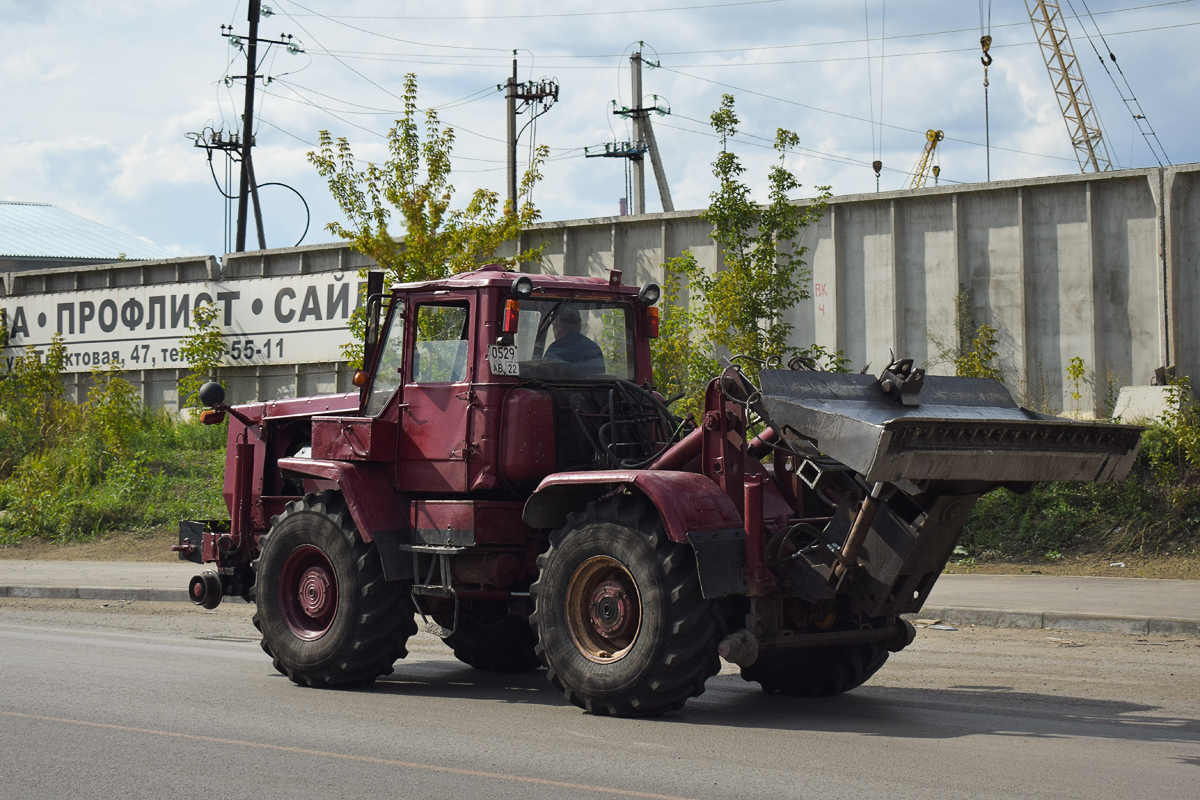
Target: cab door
435, 439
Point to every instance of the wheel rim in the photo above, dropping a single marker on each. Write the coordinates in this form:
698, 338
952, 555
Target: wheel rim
308, 592
604, 609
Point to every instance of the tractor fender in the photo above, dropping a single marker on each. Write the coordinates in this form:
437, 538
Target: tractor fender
688, 502
693, 510
371, 498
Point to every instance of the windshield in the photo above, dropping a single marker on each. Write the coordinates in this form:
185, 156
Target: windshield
391, 360
572, 340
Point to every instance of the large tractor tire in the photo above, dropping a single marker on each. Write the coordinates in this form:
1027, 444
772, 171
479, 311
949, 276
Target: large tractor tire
327, 616
817, 672
490, 639
621, 624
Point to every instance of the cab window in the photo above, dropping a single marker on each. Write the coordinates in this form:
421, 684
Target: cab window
440, 346
575, 340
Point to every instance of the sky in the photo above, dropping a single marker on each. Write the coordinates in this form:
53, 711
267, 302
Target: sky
99, 97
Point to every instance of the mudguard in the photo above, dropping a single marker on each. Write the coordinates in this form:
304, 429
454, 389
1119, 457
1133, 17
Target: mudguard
375, 505
693, 510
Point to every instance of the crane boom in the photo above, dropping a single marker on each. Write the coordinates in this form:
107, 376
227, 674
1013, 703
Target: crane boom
921, 172
1083, 125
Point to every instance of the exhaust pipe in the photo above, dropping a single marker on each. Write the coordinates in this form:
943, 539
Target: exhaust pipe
205, 589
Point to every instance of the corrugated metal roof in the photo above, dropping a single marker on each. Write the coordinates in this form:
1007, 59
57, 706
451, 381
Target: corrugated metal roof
39, 230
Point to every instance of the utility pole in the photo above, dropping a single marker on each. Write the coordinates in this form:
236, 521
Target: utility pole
212, 140
248, 133
643, 142
544, 94
639, 134
510, 95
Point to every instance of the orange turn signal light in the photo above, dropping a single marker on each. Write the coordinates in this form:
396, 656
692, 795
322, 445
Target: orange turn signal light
360, 378
210, 416
512, 315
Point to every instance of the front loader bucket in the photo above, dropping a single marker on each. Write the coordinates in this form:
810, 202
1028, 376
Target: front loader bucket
964, 429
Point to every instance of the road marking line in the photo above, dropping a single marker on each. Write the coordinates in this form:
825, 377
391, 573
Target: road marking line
346, 757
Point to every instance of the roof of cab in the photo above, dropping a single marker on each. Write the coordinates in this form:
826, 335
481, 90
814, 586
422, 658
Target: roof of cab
499, 275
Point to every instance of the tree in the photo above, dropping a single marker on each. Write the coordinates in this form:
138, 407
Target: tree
741, 306
415, 181
202, 349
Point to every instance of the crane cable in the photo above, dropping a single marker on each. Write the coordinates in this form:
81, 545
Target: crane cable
876, 141
985, 41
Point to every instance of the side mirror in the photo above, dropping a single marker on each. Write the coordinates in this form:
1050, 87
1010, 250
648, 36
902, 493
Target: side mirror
212, 394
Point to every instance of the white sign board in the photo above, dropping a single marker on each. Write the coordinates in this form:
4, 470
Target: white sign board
298, 319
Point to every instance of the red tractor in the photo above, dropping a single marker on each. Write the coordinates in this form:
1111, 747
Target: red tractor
508, 472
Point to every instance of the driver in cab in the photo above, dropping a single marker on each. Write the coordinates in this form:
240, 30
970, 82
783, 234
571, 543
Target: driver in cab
571, 346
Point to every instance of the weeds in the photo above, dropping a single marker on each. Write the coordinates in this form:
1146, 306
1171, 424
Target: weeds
79, 471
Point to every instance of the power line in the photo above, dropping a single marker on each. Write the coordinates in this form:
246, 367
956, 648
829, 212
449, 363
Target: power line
627, 12
1127, 96
754, 48
386, 57
391, 38
770, 145
849, 116
560, 14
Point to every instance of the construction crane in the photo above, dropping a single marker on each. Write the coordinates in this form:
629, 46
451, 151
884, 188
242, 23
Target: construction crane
921, 171
1083, 125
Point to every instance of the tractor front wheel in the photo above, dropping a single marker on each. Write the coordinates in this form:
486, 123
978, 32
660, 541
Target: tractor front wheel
621, 624
326, 614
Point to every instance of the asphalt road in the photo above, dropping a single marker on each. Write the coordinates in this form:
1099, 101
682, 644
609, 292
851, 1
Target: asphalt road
157, 700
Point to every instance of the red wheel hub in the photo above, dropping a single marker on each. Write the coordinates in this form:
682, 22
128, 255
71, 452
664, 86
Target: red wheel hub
308, 592
612, 609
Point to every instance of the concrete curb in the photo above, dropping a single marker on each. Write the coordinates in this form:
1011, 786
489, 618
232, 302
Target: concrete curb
986, 617
95, 593
1063, 621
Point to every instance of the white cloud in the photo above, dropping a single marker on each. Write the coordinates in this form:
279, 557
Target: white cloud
100, 133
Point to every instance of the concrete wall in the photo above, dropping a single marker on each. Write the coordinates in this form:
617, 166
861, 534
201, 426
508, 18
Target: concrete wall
1096, 267
1105, 268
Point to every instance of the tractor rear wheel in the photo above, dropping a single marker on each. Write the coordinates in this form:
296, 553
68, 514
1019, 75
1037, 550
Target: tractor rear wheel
621, 624
490, 639
327, 616
816, 672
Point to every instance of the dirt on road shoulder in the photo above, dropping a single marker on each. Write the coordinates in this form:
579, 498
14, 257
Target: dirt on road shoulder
153, 546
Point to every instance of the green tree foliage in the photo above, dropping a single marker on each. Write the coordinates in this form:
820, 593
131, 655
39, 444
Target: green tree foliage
978, 359
202, 349
32, 406
741, 306
973, 353
415, 183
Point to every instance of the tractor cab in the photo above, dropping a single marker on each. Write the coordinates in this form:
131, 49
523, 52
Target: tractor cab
475, 375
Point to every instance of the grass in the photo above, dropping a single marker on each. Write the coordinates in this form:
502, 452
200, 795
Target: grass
75, 490
73, 472
1155, 511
